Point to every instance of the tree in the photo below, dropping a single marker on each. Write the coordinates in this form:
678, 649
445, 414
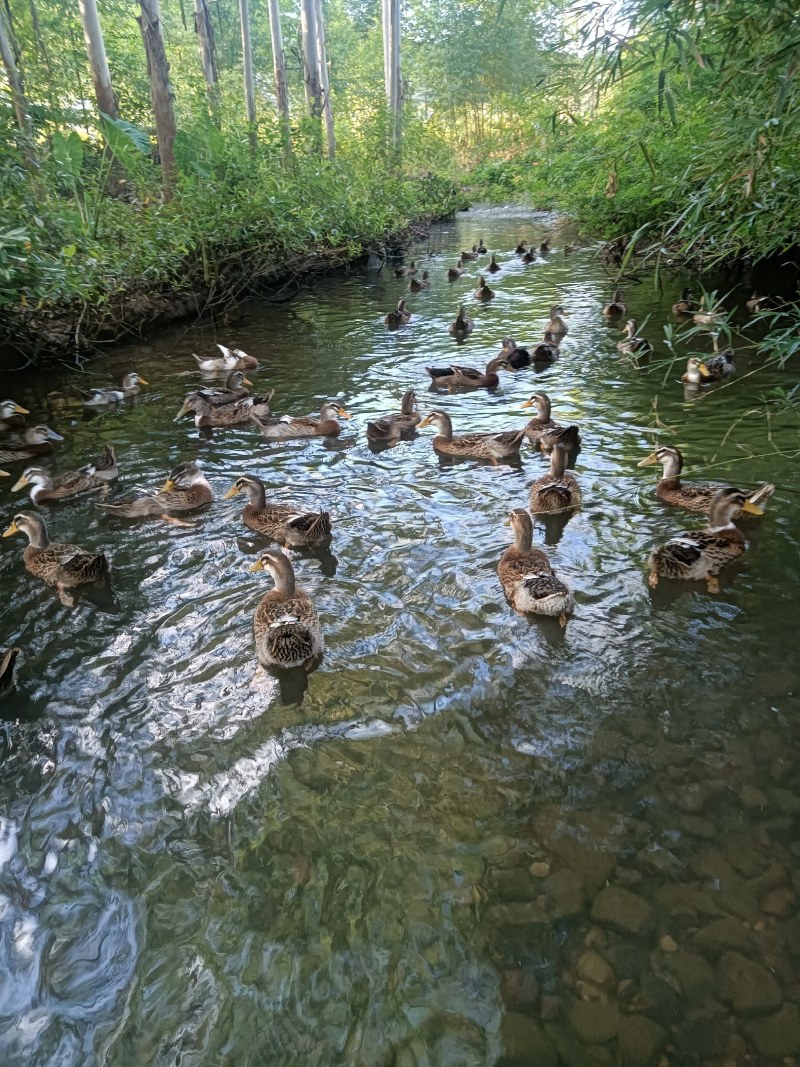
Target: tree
204, 28
160, 90
322, 70
14, 77
279, 68
247, 68
308, 29
98, 62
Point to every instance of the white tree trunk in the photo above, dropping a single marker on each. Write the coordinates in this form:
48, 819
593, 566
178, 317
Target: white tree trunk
322, 67
160, 90
247, 66
394, 43
387, 51
308, 26
14, 77
204, 29
279, 68
98, 61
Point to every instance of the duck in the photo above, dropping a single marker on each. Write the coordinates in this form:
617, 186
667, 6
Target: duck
494, 266
289, 525
455, 377
62, 566
692, 375
521, 248
527, 576
699, 555
544, 247
235, 387
720, 365
98, 398
46, 488
231, 359
617, 308
691, 496
393, 427
709, 315
186, 489
529, 256
235, 413
35, 441
398, 317
515, 357
454, 273
286, 427
481, 249
556, 327
8, 657
416, 285
12, 416
406, 272
491, 446
632, 344
545, 434
483, 292
286, 626
557, 490
760, 303
462, 326
103, 466
684, 306
470, 255
545, 352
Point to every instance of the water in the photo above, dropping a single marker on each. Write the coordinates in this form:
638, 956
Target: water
200, 865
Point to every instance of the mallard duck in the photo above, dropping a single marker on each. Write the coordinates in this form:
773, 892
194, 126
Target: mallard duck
8, 657
186, 489
103, 466
720, 365
416, 285
545, 434
617, 307
695, 497
529, 256
287, 426
231, 359
481, 249
98, 398
632, 344
521, 248
462, 326
399, 317
491, 446
709, 315
455, 377
557, 490
526, 574
759, 303
12, 416
545, 352
483, 292
285, 624
234, 413
454, 273
692, 375
235, 387
63, 566
544, 247
47, 488
494, 266
406, 272
685, 306
35, 441
393, 427
470, 255
556, 327
515, 358
699, 555
291, 526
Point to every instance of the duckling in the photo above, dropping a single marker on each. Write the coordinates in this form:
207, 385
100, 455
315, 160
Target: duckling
481, 249
62, 566
483, 292
97, 398
416, 285
470, 255
455, 377
46, 488
514, 357
632, 345
709, 316
406, 272
186, 489
685, 306
545, 434
556, 327
236, 412
691, 496
692, 375
462, 326
527, 577
454, 273
544, 247
617, 307
391, 428
235, 387
494, 266
399, 317
12, 416
231, 359
529, 257
699, 555
103, 466
557, 490
287, 427
491, 446
521, 248
35, 441
286, 627
291, 526
8, 657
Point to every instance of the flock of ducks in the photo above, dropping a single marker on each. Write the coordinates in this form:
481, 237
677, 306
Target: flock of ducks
286, 626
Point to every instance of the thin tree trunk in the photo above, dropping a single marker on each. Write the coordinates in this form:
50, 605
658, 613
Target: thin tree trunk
204, 28
279, 67
247, 67
160, 90
14, 78
96, 50
394, 61
387, 51
322, 65
308, 27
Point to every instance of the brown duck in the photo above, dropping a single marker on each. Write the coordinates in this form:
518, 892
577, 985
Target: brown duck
556, 491
691, 496
289, 525
527, 576
545, 434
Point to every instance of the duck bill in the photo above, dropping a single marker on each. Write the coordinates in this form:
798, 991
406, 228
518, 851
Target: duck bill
650, 461
246, 381
20, 410
425, 422
704, 370
344, 414
528, 404
54, 436
4, 474
234, 489
20, 483
11, 530
751, 508
141, 381
181, 413
167, 486
257, 566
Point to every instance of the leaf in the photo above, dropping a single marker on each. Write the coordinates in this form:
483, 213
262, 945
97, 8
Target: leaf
68, 154
119, 132
648, 158
68, 251
671, 107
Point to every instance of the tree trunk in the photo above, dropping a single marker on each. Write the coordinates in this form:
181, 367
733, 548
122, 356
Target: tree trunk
279, 67
14, 78
308, 26
387, 51
96, 50
160, 90
391, 65
322, 67
247, 66
204, 28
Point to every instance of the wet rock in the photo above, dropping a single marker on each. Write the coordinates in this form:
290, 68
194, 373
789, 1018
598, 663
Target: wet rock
627, 876
693, 973
520, 914
512, 886
697, 826
676, 900
659, 860
574, 1054
623, 910
595, 935
565, 894
722, 935
628, 961
640, 1041
658, 1000
549, 1008
753, 798
668, 943
705, 1035
594, 1022
591, 967
525, 1044
775, 1035
778, 902
785, 802
519, 988
747, 986
539, 869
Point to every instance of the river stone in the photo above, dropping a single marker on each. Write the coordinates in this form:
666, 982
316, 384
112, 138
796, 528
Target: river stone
752, 797
787, 803
676, 900
775, 1035
628, 961
520, 914
539, 869
659, 1000
640, 1041
694, 974
565, 894
721, 935
512, 886
594, 1022
623, 910
525, 1044
748, 986
591, 967
778, 901
703, 1036
697, 826
573, 1054
519, 988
